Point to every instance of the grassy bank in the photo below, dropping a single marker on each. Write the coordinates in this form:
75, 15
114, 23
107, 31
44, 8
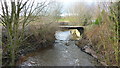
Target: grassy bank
103, 39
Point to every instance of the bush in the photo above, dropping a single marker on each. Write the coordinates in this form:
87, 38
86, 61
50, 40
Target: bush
36, 37
103, 36
104, 40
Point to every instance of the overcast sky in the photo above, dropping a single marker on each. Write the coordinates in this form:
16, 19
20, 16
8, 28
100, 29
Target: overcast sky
67, 3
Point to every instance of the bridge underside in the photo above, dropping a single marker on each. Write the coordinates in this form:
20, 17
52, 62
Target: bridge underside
79, 28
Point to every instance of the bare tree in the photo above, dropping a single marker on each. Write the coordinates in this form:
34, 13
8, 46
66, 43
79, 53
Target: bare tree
81, 13
54, 11
17, 14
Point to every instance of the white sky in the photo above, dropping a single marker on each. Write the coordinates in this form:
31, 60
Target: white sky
86, 0
67, 3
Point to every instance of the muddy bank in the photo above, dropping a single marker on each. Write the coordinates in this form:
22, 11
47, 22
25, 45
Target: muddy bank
87, 46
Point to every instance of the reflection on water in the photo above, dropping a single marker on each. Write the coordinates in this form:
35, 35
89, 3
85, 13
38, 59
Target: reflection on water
63, 35
73, 34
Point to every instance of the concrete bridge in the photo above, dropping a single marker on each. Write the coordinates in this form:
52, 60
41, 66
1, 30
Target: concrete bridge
79, 28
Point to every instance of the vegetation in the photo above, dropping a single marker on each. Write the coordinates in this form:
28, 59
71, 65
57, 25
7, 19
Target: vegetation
104, 35
80, 13
28, 26
63, 20
16, 24
0, 46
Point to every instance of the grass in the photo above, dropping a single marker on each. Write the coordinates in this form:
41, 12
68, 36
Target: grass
63, 20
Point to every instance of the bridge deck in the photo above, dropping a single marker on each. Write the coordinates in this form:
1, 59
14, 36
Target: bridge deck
79, 28
71, 26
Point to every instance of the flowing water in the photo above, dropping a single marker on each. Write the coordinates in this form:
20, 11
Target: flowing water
63, 53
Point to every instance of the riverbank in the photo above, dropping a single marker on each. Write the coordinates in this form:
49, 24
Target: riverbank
97, 41
86, 46
36, 37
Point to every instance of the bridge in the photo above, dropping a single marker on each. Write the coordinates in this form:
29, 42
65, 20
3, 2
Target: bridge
79, 28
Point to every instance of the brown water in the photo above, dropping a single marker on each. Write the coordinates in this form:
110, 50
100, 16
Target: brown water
63, 53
